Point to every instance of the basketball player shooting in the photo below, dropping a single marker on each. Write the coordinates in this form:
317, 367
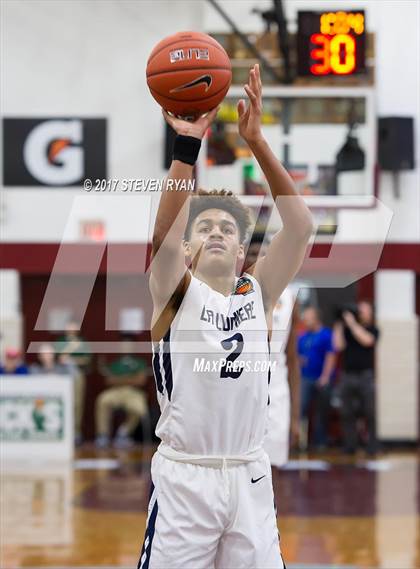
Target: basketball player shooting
212, 502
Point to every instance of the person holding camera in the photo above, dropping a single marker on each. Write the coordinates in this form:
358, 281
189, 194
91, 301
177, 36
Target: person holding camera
355, 335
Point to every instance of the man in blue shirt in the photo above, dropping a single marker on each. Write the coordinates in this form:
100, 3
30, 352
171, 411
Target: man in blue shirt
317, 359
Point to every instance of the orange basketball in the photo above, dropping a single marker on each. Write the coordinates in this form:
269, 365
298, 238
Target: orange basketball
188, 73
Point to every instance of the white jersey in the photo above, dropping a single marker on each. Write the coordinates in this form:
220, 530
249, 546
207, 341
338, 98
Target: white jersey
212, 372
276, 442
282, 320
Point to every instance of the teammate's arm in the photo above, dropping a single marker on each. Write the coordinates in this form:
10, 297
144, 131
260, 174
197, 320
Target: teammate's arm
287, 249
168, 264
294, 379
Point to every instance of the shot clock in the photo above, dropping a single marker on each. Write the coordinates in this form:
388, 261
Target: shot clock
331, 43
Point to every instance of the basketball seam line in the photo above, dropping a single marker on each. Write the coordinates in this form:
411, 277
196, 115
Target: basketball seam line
187, 101
221, 48
203, 69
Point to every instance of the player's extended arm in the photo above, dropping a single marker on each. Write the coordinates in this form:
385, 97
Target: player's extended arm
168, 264
293, 377
287, 249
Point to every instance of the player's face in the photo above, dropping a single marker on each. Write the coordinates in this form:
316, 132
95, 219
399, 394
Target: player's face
214, 244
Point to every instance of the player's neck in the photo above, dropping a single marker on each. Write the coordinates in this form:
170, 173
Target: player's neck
225, 284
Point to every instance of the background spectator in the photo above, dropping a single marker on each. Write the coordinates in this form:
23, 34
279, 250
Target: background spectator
49, 363
318, 359
356, 336
13, 364
75, 347
124, 376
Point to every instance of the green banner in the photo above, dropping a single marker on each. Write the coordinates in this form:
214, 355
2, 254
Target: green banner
31, 418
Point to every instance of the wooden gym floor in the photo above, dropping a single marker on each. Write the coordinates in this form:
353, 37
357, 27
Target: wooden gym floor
332, 511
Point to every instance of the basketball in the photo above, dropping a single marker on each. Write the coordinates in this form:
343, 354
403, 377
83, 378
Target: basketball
188, 73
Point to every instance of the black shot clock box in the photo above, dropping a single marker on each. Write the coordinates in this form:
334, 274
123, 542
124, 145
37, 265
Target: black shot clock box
331, 43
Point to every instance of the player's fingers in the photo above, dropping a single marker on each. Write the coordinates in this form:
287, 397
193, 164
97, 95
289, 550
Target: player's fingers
256, 103
258, 76
169, 119
241, 108
212, 114
253, 80
252, 96
209, 117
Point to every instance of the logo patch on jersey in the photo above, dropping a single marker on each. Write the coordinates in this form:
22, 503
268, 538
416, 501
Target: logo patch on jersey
244, 286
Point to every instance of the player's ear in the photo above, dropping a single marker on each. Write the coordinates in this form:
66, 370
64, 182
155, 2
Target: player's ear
241, 252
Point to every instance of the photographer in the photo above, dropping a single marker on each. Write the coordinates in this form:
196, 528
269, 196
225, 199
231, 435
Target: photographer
356, 335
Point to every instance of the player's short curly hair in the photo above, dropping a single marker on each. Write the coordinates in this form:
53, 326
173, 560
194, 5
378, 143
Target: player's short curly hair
219, 199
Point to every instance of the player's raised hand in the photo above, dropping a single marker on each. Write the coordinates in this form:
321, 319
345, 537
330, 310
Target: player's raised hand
197, 128
249, 120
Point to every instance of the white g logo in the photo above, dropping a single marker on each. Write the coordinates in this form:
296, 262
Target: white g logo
40, 158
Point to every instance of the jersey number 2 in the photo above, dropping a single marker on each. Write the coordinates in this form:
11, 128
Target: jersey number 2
228, 369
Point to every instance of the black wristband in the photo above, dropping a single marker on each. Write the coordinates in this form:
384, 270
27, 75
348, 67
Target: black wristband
186, 149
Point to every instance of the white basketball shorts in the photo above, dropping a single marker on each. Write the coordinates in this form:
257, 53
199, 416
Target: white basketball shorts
201, 517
